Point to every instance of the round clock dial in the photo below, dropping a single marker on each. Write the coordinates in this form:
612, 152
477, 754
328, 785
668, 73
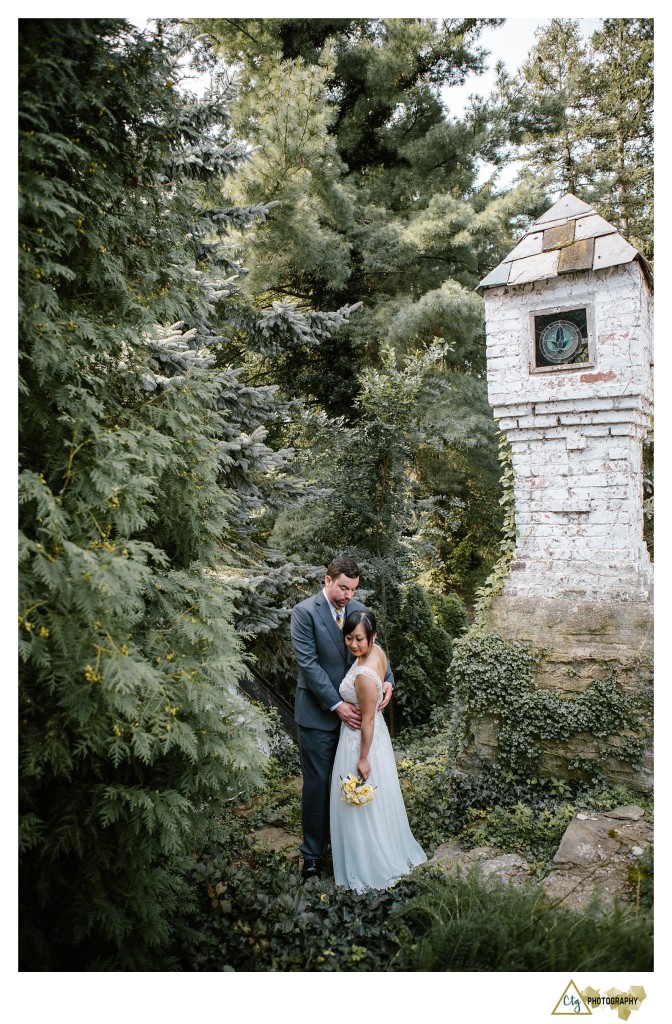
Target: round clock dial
559, 341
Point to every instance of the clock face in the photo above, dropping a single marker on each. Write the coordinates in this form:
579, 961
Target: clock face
559, 341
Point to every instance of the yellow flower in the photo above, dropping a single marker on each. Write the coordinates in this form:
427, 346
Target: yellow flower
356, 791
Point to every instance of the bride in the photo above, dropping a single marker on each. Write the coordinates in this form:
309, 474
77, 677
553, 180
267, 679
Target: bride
371, 843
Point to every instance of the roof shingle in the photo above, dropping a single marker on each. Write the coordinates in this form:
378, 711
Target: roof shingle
569, 237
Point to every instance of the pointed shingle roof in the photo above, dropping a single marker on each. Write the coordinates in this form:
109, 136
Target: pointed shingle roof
569, 237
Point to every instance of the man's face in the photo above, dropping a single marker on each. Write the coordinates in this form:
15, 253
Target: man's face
341, 589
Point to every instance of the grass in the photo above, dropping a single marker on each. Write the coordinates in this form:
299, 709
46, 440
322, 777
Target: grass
460, 923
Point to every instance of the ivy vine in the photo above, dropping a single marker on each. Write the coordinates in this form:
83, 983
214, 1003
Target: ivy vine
500, 571
496, 676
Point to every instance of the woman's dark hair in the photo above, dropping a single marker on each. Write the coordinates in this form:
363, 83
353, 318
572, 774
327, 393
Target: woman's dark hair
366, 619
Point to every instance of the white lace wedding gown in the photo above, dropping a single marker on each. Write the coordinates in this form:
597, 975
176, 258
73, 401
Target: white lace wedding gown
371, 844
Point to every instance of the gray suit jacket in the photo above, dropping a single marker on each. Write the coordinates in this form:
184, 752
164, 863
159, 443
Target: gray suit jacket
323, 660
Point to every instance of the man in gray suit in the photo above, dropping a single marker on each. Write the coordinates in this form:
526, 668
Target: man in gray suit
319, 709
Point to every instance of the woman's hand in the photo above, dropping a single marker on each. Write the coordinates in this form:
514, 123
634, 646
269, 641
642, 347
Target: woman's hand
363, 768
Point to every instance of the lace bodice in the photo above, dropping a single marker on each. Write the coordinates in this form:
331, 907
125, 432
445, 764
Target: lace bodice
347, 688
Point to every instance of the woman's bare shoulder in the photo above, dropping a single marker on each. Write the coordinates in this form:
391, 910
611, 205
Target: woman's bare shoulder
381, 667
377, 662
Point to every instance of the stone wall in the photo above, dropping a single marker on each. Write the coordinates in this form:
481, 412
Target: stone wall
579, 642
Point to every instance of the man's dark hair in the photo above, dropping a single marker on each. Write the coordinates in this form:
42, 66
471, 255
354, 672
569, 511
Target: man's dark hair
343, 566
354, 619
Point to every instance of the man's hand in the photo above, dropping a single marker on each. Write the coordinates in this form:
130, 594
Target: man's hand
349, 714
388, 690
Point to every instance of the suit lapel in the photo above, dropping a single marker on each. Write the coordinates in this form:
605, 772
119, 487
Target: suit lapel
334, 632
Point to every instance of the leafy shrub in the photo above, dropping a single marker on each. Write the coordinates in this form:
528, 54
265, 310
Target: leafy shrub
420, 653
256, 915
450, 613
522, 828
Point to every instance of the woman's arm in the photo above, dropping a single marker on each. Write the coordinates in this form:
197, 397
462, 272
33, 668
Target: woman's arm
367, 695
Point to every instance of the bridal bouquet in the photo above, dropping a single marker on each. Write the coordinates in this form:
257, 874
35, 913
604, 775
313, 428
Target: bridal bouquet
356, 791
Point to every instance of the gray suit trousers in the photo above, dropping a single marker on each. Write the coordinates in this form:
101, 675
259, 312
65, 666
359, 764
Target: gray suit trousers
317, 750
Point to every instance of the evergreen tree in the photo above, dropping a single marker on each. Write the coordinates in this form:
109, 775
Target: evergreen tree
365, 161
285, 112
145, 481
373, 182
620, 113
580, 117
546, 107
421, 652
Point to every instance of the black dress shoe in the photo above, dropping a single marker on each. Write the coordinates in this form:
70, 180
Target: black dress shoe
311, 868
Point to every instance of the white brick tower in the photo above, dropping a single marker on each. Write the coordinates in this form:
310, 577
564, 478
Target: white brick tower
569, 348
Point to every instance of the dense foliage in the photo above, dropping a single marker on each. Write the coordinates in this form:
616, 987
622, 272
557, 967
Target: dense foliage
130, 723
144, 479
256, 916
378, 206
237, 359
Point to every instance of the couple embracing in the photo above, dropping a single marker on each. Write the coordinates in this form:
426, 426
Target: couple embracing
344, 682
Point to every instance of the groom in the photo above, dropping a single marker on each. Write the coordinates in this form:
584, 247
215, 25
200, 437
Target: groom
323, 661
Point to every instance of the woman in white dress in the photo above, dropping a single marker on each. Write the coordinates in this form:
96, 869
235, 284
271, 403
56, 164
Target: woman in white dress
372, 845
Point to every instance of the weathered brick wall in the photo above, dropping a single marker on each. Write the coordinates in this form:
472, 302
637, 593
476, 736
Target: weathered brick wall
579, 592
576, 435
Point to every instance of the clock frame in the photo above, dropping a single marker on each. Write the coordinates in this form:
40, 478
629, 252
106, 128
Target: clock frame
561, 339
